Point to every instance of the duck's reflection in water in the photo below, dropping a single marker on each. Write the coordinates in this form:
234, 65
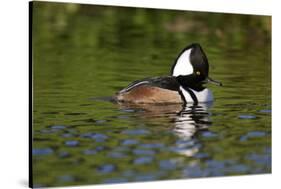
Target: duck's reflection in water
184, 121
192, 119
189, 121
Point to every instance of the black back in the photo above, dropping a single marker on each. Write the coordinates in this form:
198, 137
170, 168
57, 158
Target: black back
165, 82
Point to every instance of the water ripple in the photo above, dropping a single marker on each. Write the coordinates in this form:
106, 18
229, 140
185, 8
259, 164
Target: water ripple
42, 151
143, 160
72, 143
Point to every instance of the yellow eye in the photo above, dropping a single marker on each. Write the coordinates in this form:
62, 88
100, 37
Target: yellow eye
197, 73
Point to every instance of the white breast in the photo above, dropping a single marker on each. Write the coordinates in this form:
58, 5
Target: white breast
205, 95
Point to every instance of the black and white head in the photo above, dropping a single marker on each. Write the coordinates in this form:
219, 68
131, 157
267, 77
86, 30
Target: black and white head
192, 67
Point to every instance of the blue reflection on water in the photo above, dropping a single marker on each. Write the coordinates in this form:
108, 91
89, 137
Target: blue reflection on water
42, 151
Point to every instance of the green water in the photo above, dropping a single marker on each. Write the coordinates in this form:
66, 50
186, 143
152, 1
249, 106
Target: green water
84, 54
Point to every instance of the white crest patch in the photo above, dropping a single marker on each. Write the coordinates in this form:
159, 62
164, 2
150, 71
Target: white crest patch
183, 65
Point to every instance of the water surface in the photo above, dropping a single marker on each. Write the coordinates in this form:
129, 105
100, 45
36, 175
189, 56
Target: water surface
84, 54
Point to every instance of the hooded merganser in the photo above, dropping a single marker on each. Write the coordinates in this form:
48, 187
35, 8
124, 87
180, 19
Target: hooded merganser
185, 85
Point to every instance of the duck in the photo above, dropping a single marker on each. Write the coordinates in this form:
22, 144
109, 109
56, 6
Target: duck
185, 84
